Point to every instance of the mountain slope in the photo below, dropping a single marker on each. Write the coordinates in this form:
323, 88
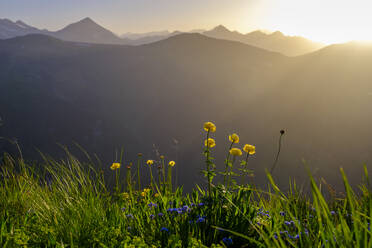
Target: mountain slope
106, 97
88, 31
9, 29
288, 45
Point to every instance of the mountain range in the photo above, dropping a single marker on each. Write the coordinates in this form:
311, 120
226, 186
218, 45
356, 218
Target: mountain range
88, 31
155, 97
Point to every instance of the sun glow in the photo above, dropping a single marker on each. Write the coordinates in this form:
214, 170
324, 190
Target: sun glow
327, 21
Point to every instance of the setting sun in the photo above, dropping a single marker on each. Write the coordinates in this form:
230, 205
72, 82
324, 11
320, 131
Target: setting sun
328, 21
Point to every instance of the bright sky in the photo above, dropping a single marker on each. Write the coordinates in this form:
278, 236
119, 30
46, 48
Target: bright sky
329, 21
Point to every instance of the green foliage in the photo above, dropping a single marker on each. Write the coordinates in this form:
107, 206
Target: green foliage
68, 205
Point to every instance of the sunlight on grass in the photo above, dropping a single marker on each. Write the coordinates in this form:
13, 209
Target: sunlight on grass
69, 204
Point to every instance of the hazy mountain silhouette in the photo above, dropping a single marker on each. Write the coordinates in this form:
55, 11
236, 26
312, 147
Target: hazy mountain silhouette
9, 29
135, 36
108, 96
278, 42
88, 31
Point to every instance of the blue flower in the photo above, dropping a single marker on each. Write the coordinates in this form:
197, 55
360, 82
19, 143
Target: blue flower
191, 222
200, 220
333, 212
152, 205
227, 241
201, 204
164, 229
192, 204
186, 208
282, 213
160, 214
123, 209
275, 236
152, 216
129, 216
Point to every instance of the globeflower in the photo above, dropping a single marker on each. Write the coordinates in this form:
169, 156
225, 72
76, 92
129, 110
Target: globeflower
210, 142
209, 126
236, 152
234, 138
115, 166
249, 149
172, 163
150, 162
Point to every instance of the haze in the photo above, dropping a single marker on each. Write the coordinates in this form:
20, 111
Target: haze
328, 21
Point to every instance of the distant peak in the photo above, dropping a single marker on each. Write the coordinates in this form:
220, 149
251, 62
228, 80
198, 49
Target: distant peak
278, 34
87, 20
221, 28
21, 22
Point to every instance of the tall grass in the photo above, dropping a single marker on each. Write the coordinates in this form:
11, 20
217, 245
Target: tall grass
68, 204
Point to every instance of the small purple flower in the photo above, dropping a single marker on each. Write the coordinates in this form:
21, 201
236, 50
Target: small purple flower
152, 205
275, 236
333, 212
201, 204
192, 204
164, 229
200, 220
152, 216
227, 241
160, 214
191, 222
129, 216
123, 209
282, 213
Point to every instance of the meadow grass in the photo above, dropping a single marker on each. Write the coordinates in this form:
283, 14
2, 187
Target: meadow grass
67, 203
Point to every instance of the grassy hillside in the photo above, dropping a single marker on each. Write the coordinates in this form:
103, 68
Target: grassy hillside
66, 203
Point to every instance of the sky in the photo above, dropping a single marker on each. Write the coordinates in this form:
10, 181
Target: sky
328, 21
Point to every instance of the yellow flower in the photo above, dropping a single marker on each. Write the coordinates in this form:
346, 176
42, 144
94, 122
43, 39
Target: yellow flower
209, 126
234, 138
161, 157
249, 149
156, 195
143, 194
211, 143
146, 190
115, 166
172, 163
125, 195
236, 152
150, 162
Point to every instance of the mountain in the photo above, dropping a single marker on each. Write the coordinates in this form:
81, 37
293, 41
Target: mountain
87, 31
277, 41
135, 36
9, 29
142, 98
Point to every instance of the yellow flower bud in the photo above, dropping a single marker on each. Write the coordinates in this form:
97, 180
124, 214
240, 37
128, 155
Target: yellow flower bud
234, 138
115, 166
236, 152
249, 149
209, 126
210, 143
